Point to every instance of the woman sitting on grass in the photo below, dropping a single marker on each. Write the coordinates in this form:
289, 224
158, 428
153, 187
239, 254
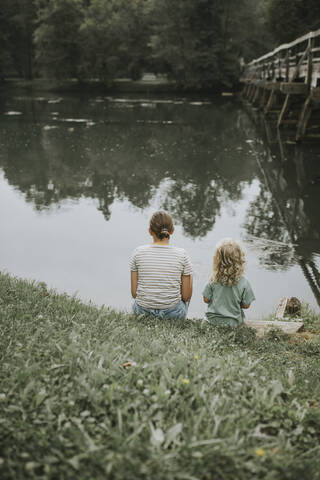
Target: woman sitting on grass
229, 292
161, 275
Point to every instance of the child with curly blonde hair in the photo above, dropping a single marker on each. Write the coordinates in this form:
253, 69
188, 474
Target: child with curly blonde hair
228, 292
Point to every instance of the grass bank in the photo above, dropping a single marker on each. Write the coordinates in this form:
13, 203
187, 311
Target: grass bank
90, 393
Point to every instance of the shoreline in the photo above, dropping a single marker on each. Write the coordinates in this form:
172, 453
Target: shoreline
158, 85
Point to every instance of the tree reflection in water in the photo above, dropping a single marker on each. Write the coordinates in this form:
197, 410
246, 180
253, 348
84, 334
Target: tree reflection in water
127, 154
195, 158
283, 224
267, 234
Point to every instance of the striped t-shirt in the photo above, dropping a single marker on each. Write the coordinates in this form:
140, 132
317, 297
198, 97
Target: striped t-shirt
159, 268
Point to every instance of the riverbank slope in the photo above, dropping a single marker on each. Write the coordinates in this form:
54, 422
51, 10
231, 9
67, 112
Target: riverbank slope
89, 392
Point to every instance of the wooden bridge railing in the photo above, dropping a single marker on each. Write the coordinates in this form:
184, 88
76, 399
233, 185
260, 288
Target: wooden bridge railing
293, 70
295, 61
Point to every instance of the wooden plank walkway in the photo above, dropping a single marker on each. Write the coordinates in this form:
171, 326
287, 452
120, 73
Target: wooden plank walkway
286, 82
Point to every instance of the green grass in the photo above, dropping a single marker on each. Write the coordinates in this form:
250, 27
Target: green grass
197, 402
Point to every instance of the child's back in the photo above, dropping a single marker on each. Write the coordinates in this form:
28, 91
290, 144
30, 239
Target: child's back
229, 291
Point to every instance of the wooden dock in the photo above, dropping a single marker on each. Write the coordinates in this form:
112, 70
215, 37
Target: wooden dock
286, 83
263, 327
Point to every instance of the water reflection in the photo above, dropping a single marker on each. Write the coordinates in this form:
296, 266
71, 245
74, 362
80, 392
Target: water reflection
283, 222
122, 155
197, 158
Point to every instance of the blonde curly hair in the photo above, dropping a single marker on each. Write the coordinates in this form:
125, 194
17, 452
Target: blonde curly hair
228, 262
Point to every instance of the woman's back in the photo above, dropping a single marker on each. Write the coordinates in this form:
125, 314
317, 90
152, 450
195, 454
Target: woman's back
159, 268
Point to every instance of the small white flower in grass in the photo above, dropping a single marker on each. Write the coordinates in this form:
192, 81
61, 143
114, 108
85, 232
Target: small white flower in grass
105, 386
40, 317
291, 378
85, 413
197, 455
2, 397
167, 392
139, 382
157, 436
146, 391
71, 403
30, 466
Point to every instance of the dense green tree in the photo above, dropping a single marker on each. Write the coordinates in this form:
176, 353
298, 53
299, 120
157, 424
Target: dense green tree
4, 45
17, 24
200, 43
289, 19
57, 37
114, 37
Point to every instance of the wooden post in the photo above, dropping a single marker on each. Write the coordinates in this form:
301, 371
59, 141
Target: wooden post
263, 98
310, 57
256, 95
249, 91
252, 92
245, 90
284, 110
297, 65
314, 287
286, 103
287, 61
269, 102
315, 272
272, 101
303, 119
281, 308
279, 65
273, 69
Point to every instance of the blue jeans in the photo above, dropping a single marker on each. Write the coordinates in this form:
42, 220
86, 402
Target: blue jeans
179, 310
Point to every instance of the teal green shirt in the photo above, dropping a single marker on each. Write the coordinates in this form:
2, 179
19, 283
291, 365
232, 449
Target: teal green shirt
225, 302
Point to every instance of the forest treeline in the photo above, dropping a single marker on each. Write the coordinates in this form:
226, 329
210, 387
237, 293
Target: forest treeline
197, 43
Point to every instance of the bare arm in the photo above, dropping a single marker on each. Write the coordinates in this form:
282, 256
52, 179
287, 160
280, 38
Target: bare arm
134, 283
245, 306
206, 300
186, 287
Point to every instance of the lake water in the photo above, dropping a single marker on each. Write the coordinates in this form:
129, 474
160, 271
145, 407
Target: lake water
81, 176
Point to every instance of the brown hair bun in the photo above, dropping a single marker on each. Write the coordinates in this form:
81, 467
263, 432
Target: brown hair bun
161, 224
